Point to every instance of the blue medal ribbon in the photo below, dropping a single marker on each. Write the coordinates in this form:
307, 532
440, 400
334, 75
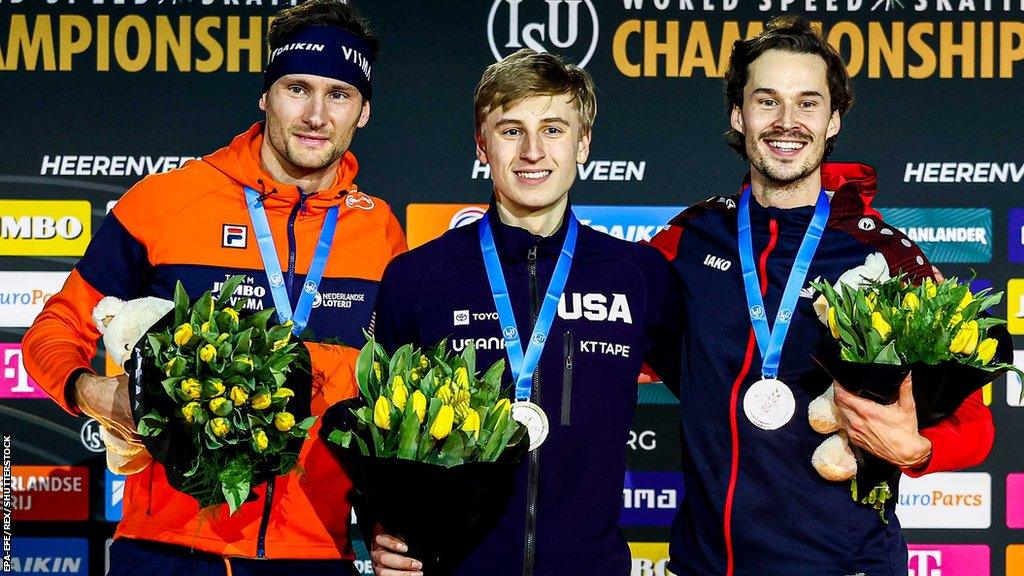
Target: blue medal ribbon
524, 365
275, 277
770, 340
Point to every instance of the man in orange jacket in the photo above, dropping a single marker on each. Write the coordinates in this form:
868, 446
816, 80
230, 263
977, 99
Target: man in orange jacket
202, 224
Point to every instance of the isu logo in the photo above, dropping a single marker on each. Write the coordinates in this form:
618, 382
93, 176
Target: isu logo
552, 25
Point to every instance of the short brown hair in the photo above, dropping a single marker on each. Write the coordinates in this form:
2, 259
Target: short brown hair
527, 73
336, 13
791, 34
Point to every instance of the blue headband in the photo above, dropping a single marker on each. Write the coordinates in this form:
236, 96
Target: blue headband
322, 51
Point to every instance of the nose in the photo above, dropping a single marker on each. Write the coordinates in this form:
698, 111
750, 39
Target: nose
314, 113
787, 117
531, 148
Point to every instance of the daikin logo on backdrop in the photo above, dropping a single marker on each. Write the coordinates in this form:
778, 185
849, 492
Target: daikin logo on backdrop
49, 556
566, 27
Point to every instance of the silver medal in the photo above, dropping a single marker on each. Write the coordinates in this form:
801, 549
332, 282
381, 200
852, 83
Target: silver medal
769, 404
534, 419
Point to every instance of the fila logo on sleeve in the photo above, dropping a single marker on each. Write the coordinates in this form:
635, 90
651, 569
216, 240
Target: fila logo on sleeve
234, 236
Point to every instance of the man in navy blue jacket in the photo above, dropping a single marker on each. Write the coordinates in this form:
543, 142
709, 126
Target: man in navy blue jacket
533, 126
754, 505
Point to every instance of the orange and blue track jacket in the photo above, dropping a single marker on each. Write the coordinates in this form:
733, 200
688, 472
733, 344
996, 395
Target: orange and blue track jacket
192, 225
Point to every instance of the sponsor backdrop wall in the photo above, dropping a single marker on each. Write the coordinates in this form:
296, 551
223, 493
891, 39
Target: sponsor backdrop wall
99, 93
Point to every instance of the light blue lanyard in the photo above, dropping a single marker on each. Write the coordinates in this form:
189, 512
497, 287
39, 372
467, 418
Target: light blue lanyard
523, 366
282, 303
770, 341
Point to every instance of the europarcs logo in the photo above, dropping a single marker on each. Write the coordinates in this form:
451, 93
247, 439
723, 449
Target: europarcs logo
568, 28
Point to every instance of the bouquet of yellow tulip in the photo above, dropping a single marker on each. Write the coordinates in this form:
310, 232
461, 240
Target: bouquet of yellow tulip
427, 417
883, 329
210, 392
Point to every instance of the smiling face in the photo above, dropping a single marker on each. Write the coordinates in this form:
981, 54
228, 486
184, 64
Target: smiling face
533, 148
310, 124
786, 117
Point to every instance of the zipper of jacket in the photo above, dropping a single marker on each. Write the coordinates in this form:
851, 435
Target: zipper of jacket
261, 542
568, 351
291, 241
534, 472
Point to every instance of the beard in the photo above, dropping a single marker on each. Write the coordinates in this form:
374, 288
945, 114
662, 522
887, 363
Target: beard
779, 173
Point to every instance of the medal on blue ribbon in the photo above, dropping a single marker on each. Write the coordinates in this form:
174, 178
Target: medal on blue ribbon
769, 403
279, 288
524, 365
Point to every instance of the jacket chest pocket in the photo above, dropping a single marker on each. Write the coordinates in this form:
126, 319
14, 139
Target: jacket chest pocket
568, 353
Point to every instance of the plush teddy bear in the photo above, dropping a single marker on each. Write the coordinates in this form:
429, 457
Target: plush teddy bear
122, 324
833, 458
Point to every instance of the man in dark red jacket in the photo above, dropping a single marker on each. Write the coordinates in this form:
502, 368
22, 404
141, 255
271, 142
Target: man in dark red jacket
754, 504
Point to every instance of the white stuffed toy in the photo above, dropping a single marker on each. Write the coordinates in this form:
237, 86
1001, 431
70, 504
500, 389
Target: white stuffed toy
122, 324
833, 458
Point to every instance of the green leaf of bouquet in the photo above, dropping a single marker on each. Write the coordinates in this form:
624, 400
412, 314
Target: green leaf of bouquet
469, 357
378, 442
408, 434
154, 344
985, 323
492, 381
400, 360
364, 370
494, 443
243, 341
342, 438
152, 424
202, 307
180, 304
235, 492
170, 386
428, 383
306, 423
227, 290
888, 355
257, 321
451, 450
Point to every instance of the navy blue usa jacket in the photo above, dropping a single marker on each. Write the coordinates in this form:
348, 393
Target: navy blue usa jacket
754, 505
564, 514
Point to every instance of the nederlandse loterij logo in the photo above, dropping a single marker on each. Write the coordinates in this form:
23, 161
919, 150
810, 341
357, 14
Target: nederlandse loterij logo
44, 227
946, 234
566, 27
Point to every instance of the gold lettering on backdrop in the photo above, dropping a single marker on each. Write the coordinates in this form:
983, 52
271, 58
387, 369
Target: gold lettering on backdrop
677, 48
132, 43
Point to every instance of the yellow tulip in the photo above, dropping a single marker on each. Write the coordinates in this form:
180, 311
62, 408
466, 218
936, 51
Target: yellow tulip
376, 370
419, 405
871, 298
221, 406
460, 402
175, 367
880, 325
966, 339
503, 405
382, 413
281, 343
232, 313
442, 425
911, 302
930, 289
191, 388
461, 377
244, 360
208, 353
283, 392
965, 301
205, 327
261, 401
259, 438
987, 349
444, 393
472, 424
398, 393
424, 363
955, 319
220, 427
183, 334
284, 421
189, 411
238, 395
833, 322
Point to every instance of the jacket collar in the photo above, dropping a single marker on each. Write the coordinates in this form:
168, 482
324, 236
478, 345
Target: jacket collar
514, 243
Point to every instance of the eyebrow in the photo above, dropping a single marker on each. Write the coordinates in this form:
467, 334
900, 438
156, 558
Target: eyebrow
772, 92
514, 122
